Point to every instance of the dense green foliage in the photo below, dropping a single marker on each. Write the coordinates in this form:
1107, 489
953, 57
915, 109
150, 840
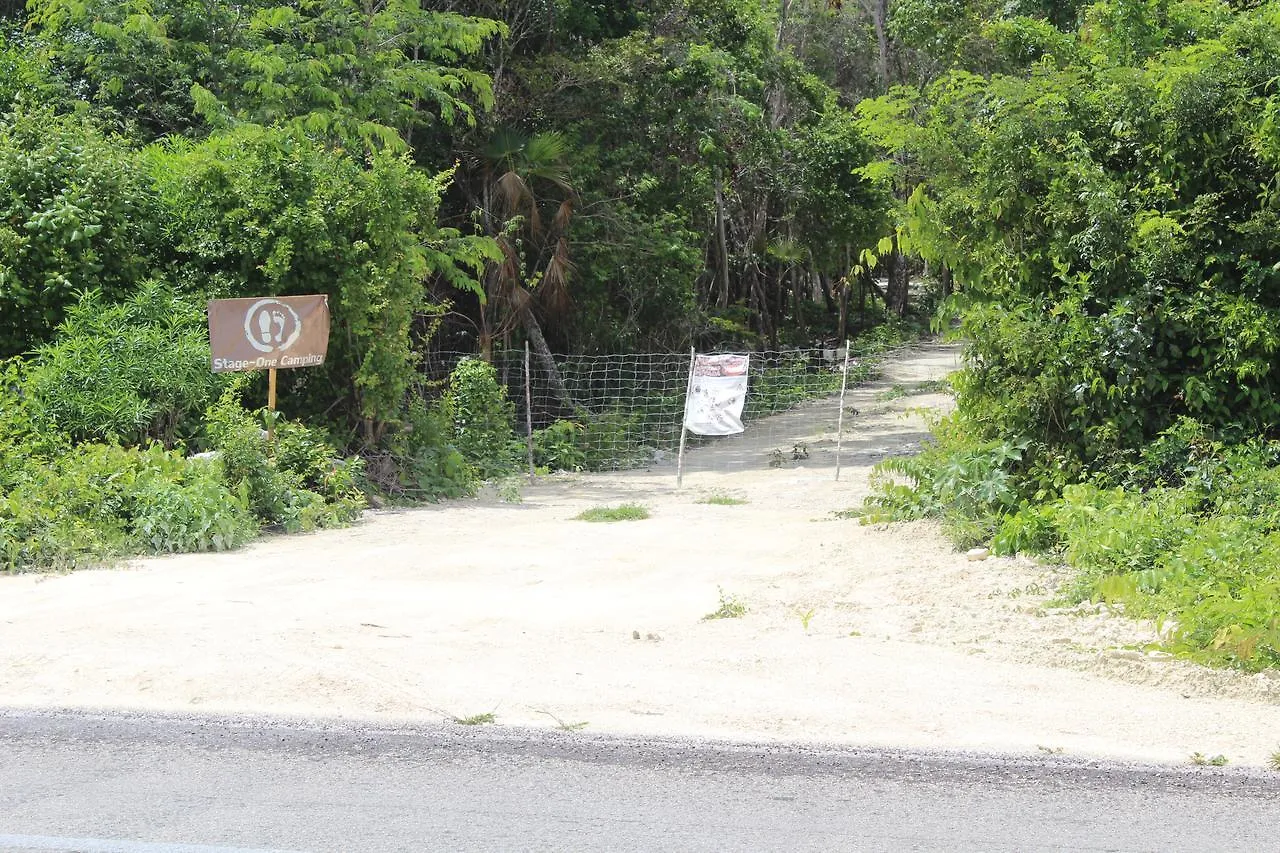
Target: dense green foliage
587, 176
267, 211
129, 372
482, 418
293, 481
72, 217
104, 500
1108, 205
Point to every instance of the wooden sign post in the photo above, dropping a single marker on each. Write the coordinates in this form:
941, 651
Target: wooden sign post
271, 405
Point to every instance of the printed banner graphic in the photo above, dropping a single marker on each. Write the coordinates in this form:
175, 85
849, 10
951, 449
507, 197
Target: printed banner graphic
260, 333
716, 395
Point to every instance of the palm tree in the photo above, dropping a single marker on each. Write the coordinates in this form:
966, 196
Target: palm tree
533, 275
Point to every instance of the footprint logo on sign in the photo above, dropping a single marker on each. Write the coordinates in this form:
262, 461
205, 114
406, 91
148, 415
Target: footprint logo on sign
271, 326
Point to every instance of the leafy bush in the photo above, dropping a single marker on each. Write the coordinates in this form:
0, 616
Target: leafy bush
482, 417
967, 484
264, 211
613, 439
622, 512
1209, 570
1190, 536
194, 512
557, 447
73, 215
421, 461
126, 372
104, 501
25, 73
24, 442
299, 484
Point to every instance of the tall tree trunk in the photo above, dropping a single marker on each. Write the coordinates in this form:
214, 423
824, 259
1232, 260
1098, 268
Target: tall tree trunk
760, 298
538, 343
784, 7
755, 244
880, 21
895, 298
824, 284
722, 298
486, 336
799, 300
873, 288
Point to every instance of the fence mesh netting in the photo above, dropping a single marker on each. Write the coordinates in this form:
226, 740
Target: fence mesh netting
626, 410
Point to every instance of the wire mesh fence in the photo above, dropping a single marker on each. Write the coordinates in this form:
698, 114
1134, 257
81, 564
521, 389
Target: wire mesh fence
621, 412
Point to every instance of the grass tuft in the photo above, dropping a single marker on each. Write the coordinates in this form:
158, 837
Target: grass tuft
625, 512
720, 499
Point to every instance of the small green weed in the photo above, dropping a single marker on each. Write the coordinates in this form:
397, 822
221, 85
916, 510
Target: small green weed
730, 608
624, 512
562, 725
1273, 761
476, 719
932, 386
720, 499
1198, 759
510, 489
805, 618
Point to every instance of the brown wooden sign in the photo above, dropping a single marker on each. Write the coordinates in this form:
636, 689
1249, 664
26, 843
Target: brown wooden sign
268, 332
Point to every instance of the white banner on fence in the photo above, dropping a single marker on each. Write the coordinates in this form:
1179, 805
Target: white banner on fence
717, 393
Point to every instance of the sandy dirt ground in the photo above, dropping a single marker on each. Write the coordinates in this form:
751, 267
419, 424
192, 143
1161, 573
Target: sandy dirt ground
853, 634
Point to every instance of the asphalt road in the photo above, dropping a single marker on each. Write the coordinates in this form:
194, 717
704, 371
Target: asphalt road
145, 784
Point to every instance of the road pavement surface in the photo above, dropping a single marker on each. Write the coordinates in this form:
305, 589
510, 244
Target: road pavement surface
119, 783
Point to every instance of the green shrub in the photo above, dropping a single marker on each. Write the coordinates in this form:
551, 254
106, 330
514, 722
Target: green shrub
1032, 529
557, 446
258, 211
103, 501
622, 512
24, 441
1216, 575
969, 485
422, 461
1190, 537
1114, 530
74, 214
195, 513
482, 417
612, 440
299, 484
126, 373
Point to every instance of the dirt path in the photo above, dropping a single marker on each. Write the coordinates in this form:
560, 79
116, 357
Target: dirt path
853, 634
